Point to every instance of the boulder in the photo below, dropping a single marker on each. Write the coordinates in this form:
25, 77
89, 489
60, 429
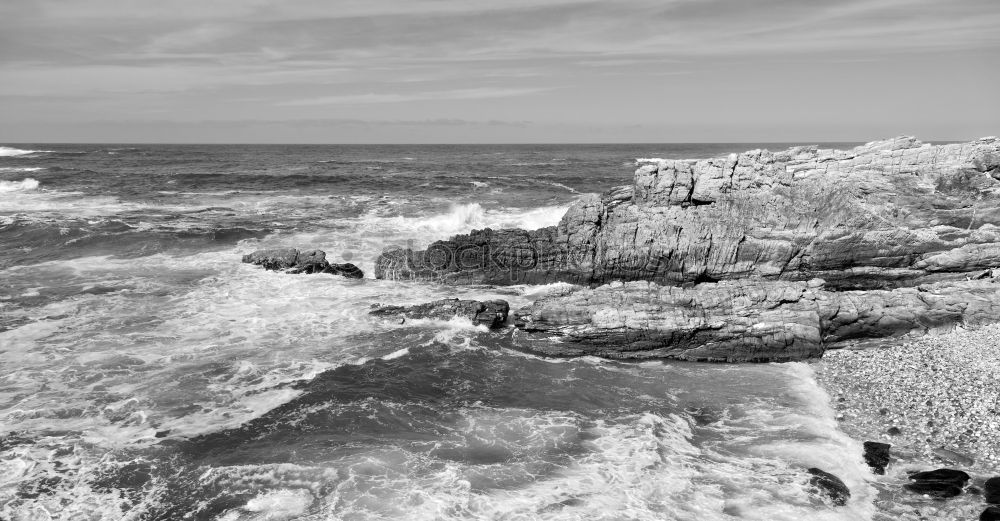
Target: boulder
490, 313
877, 456
991, 490
294, 261
940, 483
991, 513
829, 486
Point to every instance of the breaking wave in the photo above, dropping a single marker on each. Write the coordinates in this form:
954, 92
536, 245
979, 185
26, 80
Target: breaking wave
467, 217
17, 186
16, 152
21, 168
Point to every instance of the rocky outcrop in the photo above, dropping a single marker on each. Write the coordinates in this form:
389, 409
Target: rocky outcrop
292, 260
740, 321
491, 313
883, 215
758, 256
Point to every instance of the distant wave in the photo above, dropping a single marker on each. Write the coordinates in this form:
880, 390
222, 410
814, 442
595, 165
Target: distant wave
21, 168
15, 152
18, 186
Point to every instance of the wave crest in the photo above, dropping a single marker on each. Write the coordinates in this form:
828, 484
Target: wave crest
464, 218
15, 152
19, 186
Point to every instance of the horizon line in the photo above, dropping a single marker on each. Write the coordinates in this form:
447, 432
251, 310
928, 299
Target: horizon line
484, 143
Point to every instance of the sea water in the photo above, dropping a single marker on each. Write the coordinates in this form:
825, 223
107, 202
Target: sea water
146, 373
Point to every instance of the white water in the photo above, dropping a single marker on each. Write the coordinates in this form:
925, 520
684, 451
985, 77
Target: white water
371, 233
121, 349
16, 152
21, 168
17, 186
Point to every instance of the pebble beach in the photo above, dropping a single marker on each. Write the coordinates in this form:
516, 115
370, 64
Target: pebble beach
934, 398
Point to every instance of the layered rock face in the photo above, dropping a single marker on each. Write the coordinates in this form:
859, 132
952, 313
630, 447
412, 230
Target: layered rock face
886, 214
752, 257
743, 321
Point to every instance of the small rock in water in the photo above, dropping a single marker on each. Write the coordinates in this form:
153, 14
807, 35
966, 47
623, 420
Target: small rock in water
295, 261
829, 485
877, 456
991, 490
990, 514
940, 483
894, 431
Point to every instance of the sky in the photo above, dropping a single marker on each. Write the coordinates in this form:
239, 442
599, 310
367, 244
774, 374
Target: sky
521, 71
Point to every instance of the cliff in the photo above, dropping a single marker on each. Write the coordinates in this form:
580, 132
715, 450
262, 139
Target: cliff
886, 214
754, 256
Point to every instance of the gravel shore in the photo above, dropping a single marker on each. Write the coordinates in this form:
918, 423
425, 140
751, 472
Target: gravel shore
939, 391
935, 399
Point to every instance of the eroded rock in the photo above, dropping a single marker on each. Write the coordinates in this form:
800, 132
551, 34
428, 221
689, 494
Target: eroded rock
882, 215
491, 313
294, 261
741, 321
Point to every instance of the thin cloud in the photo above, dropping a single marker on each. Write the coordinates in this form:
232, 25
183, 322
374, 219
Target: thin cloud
552, 61
372, 98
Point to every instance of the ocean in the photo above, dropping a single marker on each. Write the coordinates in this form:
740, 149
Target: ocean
147, 374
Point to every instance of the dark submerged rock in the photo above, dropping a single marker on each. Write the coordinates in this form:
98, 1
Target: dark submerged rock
491, 313
830, 486
940, 483
877, 456
295, 261
991, 490
991, 513
955, 458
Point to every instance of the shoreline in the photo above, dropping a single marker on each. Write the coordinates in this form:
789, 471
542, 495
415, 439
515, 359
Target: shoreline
935, 399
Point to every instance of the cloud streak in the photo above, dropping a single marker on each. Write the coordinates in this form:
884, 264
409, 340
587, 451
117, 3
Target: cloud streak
372, 98
556, 61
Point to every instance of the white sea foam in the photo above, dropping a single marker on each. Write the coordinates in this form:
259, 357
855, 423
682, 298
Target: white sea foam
263, 329
466, 217
16, 152
564, 187
276, 505
19, 186
367, 236
21, 168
